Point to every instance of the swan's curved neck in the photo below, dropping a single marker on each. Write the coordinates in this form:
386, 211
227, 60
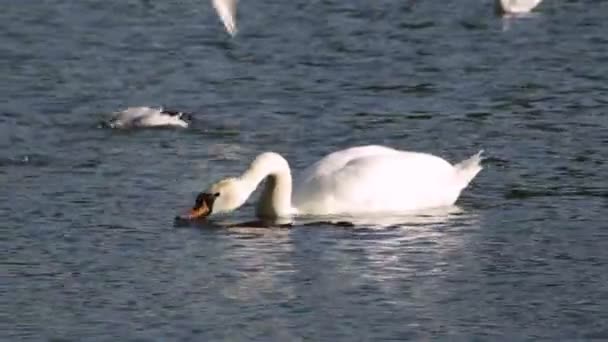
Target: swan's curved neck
275, 199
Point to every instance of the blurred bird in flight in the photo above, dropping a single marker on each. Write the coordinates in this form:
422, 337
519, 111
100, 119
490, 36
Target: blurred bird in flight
226, 10
516, 6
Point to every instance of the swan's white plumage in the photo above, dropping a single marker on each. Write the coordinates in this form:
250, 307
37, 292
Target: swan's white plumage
517, 6
354, 181
134, 117
226, 10
373, 179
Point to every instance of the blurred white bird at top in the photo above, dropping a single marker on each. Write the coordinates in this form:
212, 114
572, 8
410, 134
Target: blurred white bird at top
516, 6
226, 10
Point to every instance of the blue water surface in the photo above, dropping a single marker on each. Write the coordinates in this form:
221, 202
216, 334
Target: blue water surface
89, 249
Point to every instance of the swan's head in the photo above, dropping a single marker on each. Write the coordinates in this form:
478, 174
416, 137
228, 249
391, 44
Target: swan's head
222, 197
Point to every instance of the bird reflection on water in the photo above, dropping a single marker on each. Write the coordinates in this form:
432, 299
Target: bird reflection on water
384, 253
433, 216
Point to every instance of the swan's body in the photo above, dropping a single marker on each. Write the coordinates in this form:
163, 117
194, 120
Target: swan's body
134, 117
373, 179
516, 6
355, 181
226, 10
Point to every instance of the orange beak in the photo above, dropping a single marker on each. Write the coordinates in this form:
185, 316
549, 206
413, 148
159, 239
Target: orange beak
200, 212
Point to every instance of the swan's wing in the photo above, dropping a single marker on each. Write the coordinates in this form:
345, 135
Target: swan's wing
337, 160
391, 182
226, 10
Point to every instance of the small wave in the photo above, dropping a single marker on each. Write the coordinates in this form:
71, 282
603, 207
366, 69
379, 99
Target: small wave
25, 160
520, 193
143, 117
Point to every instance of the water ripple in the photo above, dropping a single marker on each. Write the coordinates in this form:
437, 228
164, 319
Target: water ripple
87, 214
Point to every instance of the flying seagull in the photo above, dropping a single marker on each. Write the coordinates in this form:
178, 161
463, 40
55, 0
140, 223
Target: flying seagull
226, 10
516, 6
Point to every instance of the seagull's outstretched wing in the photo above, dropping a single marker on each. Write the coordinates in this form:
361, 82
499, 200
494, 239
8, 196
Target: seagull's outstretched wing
226, 9
517, 6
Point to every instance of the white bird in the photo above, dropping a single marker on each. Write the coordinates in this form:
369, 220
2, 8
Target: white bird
226, 10
516, 6
134, 117
356, 181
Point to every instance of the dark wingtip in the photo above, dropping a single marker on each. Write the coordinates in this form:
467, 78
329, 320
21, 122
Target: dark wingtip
187, 116
171, 112
182, 115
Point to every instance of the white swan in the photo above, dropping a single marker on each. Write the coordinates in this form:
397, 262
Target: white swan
516, 6
355, 181
226, 10
134, 117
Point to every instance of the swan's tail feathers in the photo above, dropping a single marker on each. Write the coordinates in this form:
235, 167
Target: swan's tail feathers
467, 169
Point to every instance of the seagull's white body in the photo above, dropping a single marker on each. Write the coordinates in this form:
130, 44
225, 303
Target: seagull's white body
135, 117
516, 6
226, 10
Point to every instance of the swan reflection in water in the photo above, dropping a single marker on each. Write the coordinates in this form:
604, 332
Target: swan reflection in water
436, 216
398, 260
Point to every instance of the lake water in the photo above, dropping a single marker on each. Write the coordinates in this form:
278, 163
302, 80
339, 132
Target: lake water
89, 249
